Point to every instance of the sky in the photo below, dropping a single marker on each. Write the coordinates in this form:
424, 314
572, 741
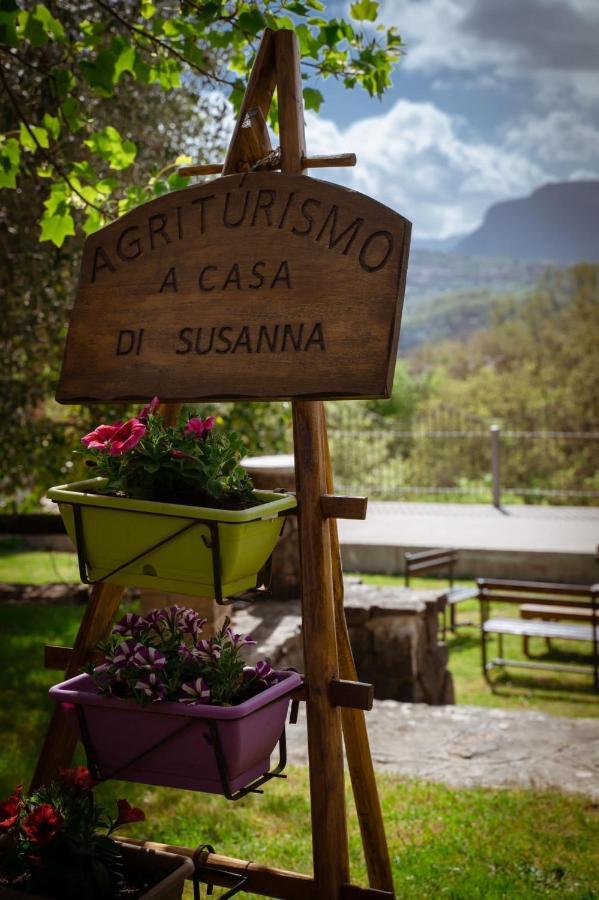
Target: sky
492, 99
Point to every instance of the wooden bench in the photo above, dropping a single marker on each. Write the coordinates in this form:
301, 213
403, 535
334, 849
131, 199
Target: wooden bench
545, 609
421, 561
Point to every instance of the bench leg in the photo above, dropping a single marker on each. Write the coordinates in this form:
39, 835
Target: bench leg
452, 622
500, 642
483, 652
525, 648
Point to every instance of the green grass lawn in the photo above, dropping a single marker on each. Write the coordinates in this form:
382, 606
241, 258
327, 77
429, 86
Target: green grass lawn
21, 566
475, 843
559, 693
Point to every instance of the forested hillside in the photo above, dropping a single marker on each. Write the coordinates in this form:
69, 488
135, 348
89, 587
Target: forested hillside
534, 366
532, 370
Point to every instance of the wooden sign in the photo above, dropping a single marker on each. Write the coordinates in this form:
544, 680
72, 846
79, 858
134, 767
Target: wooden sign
256, 286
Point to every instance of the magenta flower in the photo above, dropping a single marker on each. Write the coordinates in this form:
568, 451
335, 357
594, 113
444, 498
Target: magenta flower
128, 436
149, 409
197, 691
199, 428
101, 437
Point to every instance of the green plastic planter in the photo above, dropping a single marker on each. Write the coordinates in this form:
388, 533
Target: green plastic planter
217, 545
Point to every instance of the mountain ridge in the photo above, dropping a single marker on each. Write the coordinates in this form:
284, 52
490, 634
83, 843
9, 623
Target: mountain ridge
556, 223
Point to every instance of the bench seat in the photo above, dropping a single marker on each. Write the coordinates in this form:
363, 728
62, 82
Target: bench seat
551, 630
457, 594
545, 612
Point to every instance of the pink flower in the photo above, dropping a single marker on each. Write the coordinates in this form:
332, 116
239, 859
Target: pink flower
100, 438
179, 454
127, 437
149, 409
200, 427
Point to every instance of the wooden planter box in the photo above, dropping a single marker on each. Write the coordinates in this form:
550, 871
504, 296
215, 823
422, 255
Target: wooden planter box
169, 870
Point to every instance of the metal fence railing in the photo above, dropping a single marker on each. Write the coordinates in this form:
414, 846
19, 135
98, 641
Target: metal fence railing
464, 458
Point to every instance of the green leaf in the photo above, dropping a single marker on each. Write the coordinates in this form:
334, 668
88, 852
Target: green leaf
63, 80
10, 160
125, 61
29, 142
8, 24
55, 203
108, 143
32, 29
71, 112
364, 10
52, 26
52, 125
312, 98
100, 75
56, 228
251, 20
147, 10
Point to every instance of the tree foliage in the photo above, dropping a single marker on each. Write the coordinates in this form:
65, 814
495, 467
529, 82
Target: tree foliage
60, 59
102, 101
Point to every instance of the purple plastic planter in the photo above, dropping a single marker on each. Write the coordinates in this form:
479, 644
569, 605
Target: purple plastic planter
168, 743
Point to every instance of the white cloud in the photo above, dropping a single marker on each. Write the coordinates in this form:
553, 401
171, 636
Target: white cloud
416, 159
552, 44
563, 136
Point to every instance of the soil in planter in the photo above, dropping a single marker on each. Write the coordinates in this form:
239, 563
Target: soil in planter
131, 888
187, 498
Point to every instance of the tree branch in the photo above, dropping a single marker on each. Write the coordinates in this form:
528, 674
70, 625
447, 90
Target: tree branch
136, 29
47, 156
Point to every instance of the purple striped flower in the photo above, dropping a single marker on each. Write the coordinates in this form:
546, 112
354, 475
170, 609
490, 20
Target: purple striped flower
123, 654
196, 691
129, 624
190, 621
148, 658
263, 671
239, 640
206, 650
151, 686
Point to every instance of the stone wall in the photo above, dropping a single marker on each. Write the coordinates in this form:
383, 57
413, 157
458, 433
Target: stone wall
394, 638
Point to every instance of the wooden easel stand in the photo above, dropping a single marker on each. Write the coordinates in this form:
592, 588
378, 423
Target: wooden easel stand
335, 702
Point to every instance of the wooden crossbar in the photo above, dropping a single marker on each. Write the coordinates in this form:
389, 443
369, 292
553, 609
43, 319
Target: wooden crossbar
265, 880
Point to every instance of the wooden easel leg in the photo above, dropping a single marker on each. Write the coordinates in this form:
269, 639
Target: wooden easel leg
60, 741
325, 741
355, 734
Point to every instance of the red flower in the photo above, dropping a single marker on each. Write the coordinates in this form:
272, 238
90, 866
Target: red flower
127, 437
78, 777
200, 427
100, 438
149, 409
128, 813
42, 823
9, 809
